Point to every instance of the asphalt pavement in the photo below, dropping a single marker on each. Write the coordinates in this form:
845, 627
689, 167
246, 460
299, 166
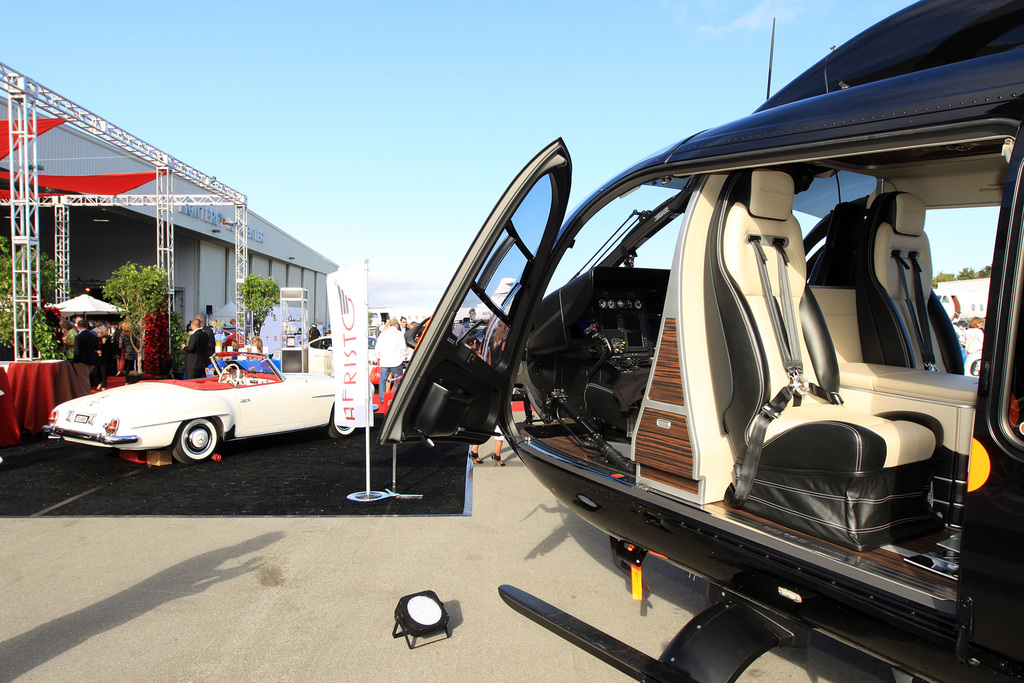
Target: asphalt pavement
297, 598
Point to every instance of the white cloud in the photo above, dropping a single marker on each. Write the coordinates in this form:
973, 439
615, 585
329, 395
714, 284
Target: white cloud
420, 289
758, 18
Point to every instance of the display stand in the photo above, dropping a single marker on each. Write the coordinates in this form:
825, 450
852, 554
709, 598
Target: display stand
394, 477
294, 316
367, 495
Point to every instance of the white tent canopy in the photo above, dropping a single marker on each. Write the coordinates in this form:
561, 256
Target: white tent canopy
84, 304
224, 313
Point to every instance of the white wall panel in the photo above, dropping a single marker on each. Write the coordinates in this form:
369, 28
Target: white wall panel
259, 265
186, 275
279, 272
213, 275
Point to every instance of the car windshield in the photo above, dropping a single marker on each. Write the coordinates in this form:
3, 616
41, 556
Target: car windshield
251, 363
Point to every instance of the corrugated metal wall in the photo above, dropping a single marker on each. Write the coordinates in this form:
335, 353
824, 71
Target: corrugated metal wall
278, 271
67, 151
259, 265
213, 273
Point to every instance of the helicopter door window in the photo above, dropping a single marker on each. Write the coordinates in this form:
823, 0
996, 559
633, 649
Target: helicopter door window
482, 322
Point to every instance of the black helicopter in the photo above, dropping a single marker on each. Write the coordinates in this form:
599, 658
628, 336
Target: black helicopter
753, 378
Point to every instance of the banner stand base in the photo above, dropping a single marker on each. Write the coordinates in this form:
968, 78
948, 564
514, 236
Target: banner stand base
369, 496
404, 496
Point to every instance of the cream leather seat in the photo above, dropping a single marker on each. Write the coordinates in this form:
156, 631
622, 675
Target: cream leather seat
810, 463
902, 322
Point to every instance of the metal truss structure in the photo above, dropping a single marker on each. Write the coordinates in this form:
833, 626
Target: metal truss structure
24, 98
63, 249
241, 268
21, 127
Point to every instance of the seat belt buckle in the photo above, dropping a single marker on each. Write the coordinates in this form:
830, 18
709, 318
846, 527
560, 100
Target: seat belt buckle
770, 412
798, 384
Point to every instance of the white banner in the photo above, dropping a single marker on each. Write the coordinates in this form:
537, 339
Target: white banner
346, 303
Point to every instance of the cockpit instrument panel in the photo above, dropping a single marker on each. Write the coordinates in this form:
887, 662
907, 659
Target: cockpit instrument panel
606, 308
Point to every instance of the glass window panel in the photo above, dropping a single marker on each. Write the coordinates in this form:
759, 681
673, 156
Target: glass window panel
475, 325
531, 217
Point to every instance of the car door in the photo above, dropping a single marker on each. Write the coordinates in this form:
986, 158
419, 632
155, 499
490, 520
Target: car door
275, 407
460, 378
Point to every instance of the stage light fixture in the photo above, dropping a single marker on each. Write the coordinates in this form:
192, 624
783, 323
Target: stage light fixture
421, 615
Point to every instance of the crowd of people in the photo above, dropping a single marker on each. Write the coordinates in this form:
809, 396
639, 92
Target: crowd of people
98, 349
101, 350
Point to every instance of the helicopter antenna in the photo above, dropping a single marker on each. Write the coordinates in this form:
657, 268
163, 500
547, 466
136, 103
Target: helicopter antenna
771, 58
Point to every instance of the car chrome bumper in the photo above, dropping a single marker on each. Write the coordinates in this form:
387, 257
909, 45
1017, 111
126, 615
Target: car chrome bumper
105, 439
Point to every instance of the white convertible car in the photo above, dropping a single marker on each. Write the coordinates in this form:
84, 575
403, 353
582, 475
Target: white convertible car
247, 396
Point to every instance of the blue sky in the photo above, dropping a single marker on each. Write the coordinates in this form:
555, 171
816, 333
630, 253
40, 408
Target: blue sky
387, 130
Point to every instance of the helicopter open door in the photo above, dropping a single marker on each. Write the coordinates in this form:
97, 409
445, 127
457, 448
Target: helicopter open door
460, 378
991, 592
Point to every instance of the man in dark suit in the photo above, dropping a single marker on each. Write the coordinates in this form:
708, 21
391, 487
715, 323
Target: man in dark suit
84, 356
211, 338
197, 356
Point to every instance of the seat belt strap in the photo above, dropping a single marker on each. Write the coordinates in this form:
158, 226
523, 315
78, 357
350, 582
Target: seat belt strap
924, 345
745, 471
785, 331
927, 352
785, 328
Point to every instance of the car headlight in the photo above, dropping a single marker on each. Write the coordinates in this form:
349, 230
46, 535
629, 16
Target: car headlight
111, 427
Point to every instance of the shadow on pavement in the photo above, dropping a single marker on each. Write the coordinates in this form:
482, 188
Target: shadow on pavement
33, 648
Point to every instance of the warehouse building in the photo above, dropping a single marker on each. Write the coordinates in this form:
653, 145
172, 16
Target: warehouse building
102, 238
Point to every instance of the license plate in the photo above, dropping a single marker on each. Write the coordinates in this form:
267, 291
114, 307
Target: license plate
82, 418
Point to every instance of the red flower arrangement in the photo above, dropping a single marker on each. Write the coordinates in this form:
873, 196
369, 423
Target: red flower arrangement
157, 359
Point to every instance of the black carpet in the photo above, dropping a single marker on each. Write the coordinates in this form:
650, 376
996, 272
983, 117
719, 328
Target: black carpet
304, 473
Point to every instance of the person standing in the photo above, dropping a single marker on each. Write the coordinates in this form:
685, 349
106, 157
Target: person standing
104, 356
974, 337
391, 353
197, 355
211, 340
127, 348
85, 357
499, 439
69, 332
314, 332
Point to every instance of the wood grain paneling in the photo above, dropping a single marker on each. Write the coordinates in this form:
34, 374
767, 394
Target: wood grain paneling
663, 449
667, 383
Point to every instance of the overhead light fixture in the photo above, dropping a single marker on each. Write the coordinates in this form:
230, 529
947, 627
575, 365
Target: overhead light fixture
100, 220
421, 615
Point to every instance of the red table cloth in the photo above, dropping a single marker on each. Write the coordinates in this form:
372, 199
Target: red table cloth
10, 430
38, 386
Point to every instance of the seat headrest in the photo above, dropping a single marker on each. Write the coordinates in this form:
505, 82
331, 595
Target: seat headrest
909, 215
771, 195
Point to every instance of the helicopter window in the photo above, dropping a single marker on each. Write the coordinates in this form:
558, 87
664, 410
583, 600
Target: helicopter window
604, 232
481, 323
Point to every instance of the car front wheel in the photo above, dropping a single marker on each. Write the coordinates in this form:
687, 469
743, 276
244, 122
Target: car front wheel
336, 432
197, 440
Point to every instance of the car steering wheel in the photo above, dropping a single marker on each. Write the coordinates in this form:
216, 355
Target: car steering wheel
232, 374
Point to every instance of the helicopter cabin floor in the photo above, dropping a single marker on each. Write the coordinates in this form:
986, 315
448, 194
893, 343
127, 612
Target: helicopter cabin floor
889, 561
